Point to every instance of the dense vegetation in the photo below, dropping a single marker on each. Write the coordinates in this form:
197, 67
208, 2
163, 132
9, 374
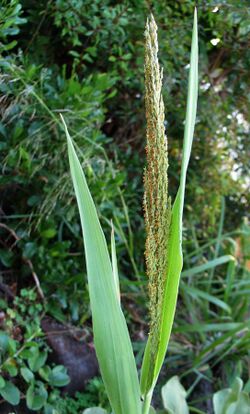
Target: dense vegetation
85, 59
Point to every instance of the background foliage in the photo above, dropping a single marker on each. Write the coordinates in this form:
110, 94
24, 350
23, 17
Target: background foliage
85, 59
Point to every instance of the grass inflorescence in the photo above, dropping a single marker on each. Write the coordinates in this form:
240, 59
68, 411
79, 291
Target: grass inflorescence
157, 203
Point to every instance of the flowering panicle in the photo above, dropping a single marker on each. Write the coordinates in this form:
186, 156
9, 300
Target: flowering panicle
157, 204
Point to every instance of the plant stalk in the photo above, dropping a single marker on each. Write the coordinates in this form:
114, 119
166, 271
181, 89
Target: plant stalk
147, 402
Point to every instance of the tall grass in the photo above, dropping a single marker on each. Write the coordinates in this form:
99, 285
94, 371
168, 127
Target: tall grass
163, 248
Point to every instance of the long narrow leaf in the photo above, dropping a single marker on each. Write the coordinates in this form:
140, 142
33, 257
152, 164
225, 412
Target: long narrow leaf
212, 327
150, 374
197, 293
111, 337
209, 265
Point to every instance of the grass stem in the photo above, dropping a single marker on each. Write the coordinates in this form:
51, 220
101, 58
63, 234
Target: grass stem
146, 403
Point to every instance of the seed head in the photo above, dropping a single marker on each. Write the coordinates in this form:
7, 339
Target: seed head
157, 204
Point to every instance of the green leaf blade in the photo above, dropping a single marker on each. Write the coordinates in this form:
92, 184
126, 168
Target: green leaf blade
111, 337
211, 264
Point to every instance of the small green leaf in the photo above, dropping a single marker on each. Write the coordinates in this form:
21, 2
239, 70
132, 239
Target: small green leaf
36, 396
37, 360
4, 340
58, 377
6, 257
232, 400
49, 409
10, 393
2, 382
44, 372
221, 401
12, 345
48, 233
29, 250
174, 397
11, 367
95, 410
26, 354
31, 344
237, 386
27, 375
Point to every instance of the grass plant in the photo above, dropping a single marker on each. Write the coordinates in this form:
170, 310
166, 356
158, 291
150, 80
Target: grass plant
163, 248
